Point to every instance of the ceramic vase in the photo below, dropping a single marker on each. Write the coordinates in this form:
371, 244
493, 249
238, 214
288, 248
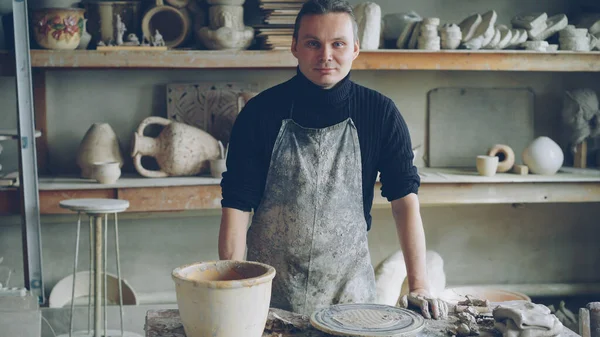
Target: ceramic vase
224, 298
58, 28
179, 149
543, 156
100, 144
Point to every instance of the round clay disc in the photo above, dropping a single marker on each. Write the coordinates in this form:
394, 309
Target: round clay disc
367, 320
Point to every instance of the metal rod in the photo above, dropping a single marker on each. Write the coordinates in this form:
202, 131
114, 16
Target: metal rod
119, 270
74, 273
105, 254
90, 278
30, 201
98, 276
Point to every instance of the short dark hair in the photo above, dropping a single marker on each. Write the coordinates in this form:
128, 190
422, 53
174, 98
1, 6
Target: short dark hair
320, 7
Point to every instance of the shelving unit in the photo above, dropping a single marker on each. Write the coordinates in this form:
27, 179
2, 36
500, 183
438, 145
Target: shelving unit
439, 186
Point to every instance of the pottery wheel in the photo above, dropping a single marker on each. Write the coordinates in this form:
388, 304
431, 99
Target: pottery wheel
367, 320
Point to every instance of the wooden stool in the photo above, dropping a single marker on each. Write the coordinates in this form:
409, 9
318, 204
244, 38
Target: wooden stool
97, 210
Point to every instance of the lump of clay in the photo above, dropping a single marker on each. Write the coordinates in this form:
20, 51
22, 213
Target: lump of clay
525, 319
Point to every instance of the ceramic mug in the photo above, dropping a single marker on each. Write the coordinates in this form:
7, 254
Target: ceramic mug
487, 165
217, 167
107, 172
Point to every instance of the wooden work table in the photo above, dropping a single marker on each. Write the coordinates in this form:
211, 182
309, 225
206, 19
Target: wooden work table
438, 187
167, 323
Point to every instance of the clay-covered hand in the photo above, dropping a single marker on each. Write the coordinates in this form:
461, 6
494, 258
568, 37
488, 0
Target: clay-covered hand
429, 306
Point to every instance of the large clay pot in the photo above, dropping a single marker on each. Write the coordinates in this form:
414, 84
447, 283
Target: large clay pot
180, 149
543, 156
100, 144
58, 28
224, 298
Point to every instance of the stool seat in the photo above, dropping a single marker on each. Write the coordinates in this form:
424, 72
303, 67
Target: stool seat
95, 205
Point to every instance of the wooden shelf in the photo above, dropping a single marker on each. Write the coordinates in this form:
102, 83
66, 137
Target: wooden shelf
438, 187
505, 60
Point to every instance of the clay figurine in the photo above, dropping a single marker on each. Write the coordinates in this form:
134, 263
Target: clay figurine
158, 41
132, 40
121, 29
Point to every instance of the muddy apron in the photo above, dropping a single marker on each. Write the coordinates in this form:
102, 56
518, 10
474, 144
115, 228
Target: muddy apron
310, 224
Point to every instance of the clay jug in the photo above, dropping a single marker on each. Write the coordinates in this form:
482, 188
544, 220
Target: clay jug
179, 149
100, 144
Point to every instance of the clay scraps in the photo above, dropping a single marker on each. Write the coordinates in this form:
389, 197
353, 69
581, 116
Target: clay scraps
525, 319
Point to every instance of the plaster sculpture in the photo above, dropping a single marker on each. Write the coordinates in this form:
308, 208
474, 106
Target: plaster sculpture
226, 29
505, 36
368, 17
554, 24
535, 45
529, 20
179, 149
543, 156
428, 38
99, 144
495, 40
450, 36
469, 25
576, 39
132, 40
484, 33
580, 115
397, 28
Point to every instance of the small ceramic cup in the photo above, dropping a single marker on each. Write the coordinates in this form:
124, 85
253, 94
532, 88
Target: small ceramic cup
487, 165
107, 172
217, 167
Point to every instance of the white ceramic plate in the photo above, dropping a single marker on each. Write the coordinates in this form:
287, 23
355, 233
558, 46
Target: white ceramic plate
372, 320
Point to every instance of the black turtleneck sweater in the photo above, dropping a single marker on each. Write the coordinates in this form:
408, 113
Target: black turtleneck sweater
382, 132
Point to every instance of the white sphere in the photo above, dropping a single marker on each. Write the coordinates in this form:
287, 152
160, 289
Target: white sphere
543, 156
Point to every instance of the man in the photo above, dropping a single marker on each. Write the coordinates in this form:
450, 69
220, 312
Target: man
305, 156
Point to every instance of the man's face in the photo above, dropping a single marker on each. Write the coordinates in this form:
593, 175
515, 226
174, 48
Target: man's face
325, 48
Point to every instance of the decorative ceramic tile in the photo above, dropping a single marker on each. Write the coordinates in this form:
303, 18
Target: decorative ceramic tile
212, 107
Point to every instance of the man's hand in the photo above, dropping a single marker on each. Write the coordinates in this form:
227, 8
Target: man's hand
430, 307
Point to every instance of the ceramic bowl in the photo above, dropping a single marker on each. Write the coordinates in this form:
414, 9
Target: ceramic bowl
58, 28
224, 298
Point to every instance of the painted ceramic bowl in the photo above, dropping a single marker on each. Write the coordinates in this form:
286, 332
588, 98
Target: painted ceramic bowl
58, 28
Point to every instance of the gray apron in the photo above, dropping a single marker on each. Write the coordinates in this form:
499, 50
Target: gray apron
310, 224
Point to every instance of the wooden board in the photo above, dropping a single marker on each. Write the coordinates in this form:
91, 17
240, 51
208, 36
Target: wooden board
393, 59
467, 122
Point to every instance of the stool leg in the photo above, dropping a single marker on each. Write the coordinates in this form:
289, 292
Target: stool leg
98, 276
74, 273
91, 277
105, 254
119, 271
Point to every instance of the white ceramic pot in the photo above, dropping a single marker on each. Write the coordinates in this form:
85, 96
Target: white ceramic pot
106, 172
543, 156
224, 298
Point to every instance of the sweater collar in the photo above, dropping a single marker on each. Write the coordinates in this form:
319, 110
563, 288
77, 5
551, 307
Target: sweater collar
308, 93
